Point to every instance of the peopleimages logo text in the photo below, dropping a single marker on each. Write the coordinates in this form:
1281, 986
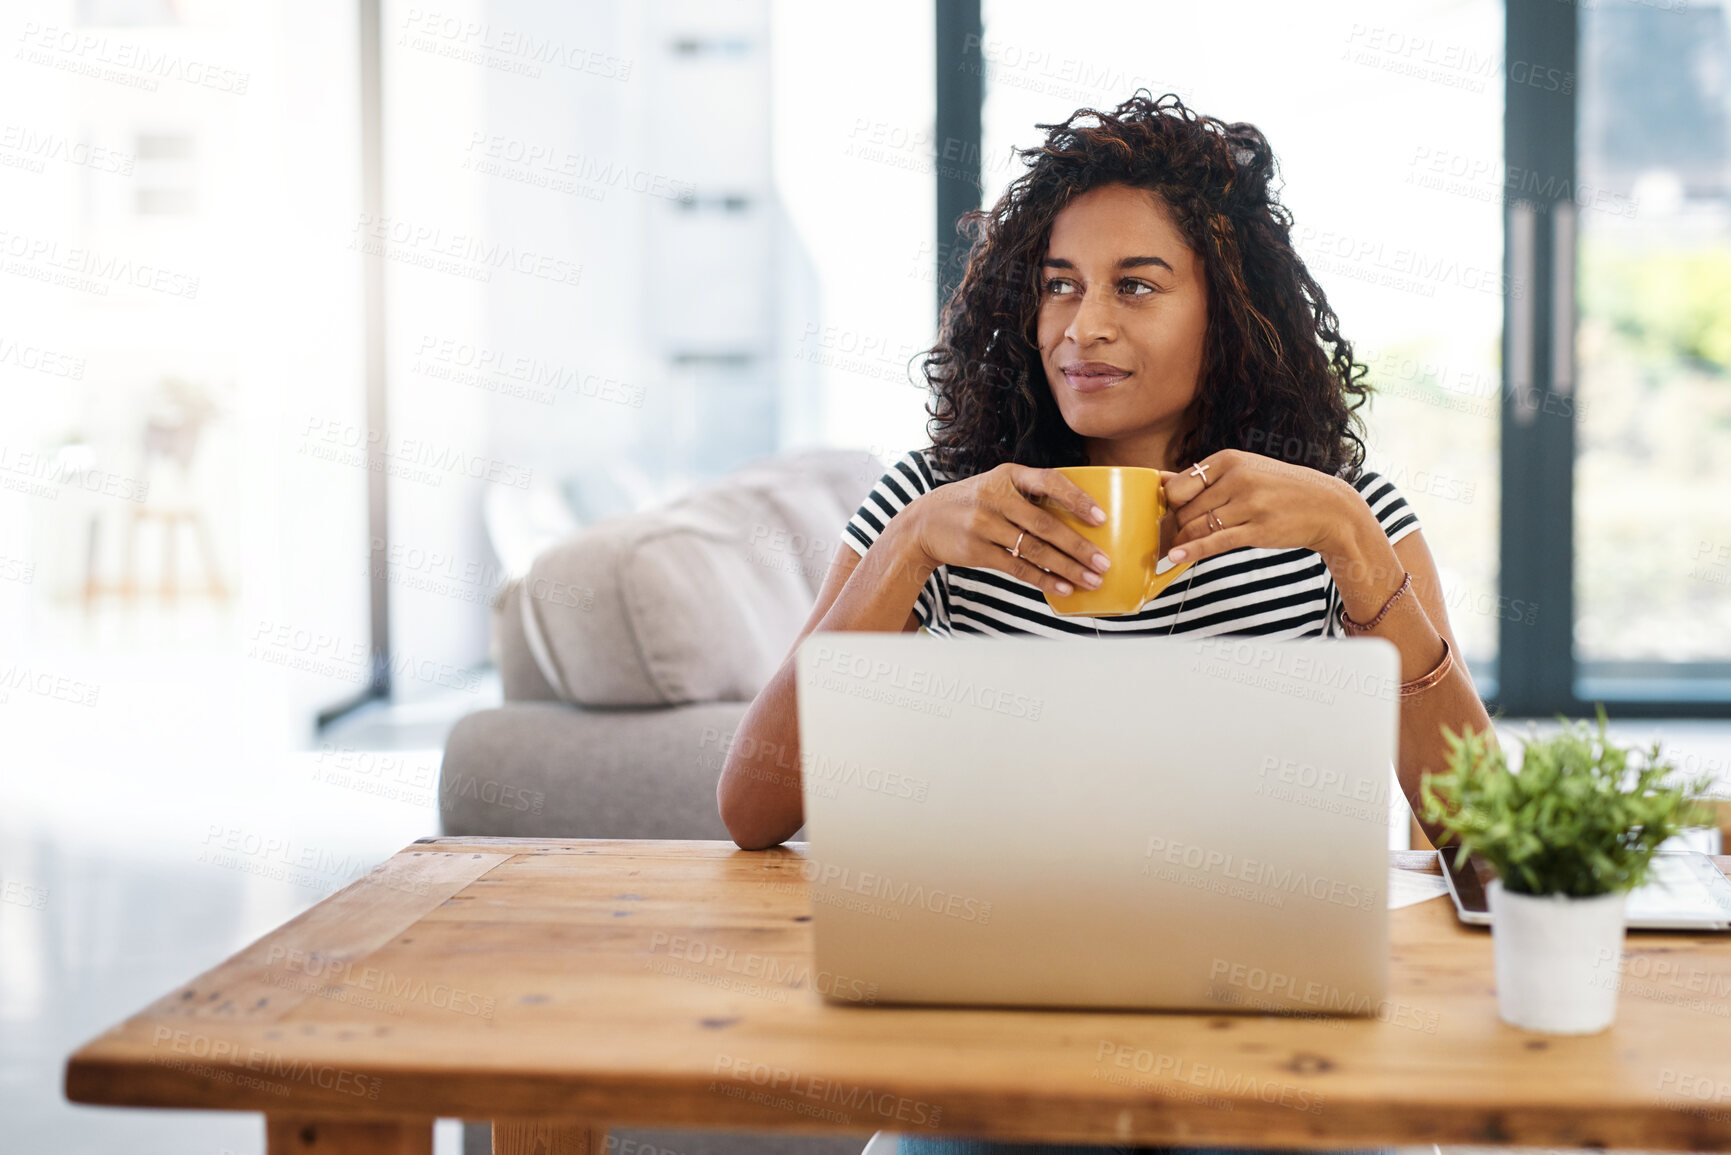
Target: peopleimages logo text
441, 460
875, 779
960, 690
1178, 1069
213, 1050
1259, 872
1326, 780
333, 973
903, 893
1280, 991
773, 971
803, 1093
1299, 666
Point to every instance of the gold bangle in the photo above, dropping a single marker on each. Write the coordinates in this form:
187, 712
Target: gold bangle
1420, 684
1353, 627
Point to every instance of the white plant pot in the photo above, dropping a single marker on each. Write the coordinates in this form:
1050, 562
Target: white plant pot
1557, 959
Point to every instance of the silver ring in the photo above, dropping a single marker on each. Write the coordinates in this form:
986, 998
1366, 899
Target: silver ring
1017, 551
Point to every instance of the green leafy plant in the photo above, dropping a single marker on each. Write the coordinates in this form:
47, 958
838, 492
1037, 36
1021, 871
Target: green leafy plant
1581, 817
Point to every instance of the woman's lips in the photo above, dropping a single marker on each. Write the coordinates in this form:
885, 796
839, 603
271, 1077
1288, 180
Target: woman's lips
1093, 382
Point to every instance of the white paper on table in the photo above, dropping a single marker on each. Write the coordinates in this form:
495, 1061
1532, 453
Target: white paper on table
1408, 887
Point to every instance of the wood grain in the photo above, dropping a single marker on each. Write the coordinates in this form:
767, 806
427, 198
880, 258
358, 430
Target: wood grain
667, 984
290, 1135
278, 971
517, 1137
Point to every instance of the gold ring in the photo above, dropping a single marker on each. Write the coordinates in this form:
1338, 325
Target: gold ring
1214, 522
1199, 470
1017, 551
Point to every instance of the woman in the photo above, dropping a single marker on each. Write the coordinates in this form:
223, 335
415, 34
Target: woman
1132, 299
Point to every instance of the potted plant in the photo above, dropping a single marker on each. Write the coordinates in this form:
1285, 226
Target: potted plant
1569, 835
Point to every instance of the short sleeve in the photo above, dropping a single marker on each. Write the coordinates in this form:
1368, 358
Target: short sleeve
1392, 512
907, 478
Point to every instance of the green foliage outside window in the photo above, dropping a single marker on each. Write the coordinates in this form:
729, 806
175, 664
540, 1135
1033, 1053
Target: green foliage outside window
1669, 304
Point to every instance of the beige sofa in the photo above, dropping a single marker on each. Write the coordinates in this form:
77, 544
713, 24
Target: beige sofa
629, 653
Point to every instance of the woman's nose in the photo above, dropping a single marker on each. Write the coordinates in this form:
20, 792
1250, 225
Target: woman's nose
1091, 321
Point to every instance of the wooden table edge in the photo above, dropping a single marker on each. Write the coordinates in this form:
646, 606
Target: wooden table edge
339, 1127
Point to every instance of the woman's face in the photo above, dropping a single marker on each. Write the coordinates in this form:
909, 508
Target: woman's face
1123, 313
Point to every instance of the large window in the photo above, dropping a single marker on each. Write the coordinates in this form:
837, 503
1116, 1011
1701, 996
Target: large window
1522, 215
1617, 417
179, 331
855, 164
1388, 127
1653, 473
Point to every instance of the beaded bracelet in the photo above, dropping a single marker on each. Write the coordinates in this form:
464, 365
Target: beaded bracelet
1366, 627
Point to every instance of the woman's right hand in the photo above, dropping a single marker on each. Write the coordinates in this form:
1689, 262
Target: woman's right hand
975, 522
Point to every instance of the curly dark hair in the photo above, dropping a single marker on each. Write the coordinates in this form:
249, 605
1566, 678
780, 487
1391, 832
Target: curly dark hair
1277, 376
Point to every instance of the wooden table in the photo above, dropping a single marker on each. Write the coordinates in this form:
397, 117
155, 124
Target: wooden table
558, 987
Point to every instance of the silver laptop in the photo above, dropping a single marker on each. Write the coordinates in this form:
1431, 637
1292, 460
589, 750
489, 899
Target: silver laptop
1124, 822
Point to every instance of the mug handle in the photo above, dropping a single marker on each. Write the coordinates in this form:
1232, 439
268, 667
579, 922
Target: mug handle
1158, 582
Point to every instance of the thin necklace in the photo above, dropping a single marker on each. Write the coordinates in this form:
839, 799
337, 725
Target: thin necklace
1182, 598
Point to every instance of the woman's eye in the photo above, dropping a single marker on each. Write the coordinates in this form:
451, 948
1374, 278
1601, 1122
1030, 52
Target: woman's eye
1143, 285
1057, 288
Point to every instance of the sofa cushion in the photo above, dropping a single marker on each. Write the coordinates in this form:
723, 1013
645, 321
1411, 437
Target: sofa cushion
520, 673
549, 770
698, 601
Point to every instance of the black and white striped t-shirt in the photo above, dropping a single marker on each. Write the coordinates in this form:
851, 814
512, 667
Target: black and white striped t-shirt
1276, 593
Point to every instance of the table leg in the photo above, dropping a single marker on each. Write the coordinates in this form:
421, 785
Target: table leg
296, 1135
535, 1137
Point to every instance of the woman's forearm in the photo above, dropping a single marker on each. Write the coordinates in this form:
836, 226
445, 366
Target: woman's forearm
1367, 571
759, 792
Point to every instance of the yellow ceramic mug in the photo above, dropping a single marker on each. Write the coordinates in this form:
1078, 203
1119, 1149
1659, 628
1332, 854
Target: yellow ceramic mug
1135, 503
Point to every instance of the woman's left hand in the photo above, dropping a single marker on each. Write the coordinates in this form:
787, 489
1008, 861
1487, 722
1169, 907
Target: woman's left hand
1249, 500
